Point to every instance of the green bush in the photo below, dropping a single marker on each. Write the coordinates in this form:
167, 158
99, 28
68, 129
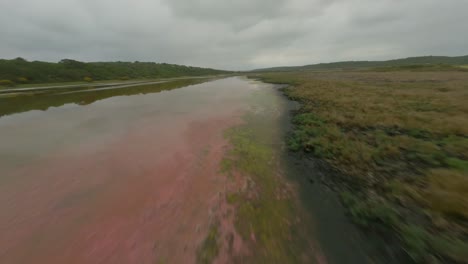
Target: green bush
7, 83
367, 212
419, 244
416, 242
22, 80
457, 164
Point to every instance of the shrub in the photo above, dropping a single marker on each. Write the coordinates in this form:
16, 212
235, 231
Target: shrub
87, 79
416, 241
451, 247
367, 212
7, 83
22, 80
457, 164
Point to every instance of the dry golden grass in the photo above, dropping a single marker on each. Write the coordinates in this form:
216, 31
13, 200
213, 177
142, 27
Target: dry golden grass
447, 192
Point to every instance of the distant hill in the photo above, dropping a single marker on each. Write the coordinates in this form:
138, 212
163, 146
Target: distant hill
348, 65
22, 71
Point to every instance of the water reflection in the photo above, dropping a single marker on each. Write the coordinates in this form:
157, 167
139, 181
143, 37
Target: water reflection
43, 99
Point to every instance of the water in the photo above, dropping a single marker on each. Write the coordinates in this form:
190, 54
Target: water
135, 175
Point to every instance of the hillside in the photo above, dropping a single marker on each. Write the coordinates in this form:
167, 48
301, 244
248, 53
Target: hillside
460, 60
23, 71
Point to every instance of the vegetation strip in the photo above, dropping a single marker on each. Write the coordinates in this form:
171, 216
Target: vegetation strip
267, 216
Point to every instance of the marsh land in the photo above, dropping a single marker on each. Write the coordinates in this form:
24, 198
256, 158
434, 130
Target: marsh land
395, 140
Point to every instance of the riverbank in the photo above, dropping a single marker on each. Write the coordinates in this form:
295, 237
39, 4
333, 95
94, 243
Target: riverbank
396, 145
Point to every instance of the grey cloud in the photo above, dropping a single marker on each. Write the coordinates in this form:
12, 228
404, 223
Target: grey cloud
227, 34
227, 12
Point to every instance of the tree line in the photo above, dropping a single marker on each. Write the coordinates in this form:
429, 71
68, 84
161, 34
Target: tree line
19, 71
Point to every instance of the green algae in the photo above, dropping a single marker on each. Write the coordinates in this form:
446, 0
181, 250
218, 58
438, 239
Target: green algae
266, 214
210, 247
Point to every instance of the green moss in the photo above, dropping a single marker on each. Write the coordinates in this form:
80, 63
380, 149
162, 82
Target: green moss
457, 164
452, 248
416, 242
308, 119
210, 247
366, 212
232, 198
226, 165
420, 244
424, 151
455, 146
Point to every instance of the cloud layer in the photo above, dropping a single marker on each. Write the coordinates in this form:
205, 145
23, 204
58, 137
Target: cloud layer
242, 34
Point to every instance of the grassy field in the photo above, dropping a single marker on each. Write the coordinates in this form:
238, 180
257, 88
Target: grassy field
398, 139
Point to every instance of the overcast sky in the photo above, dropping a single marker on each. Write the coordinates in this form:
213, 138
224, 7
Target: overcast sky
232, 34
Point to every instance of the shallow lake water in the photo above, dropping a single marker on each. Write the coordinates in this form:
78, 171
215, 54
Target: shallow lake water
135, 175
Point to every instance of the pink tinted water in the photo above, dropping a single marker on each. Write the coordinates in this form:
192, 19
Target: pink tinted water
130, 179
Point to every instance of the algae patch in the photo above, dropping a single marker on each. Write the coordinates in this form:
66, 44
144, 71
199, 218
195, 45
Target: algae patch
210, 248
267, 216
